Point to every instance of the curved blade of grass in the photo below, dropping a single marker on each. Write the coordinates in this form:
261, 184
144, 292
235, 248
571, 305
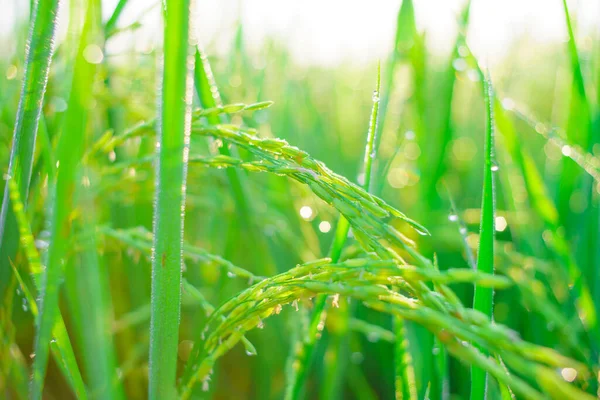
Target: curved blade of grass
91, 319
304, 349
483, 297
39, 50
169, 209
69, 154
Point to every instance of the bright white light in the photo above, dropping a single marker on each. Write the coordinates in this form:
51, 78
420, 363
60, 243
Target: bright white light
306, 212
324, 226
338, 31
501, 224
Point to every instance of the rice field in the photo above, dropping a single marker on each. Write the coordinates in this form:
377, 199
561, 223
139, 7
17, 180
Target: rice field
179, 223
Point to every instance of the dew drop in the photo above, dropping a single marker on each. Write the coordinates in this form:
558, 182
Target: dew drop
459, 64
495, 167
453, 217
375, 96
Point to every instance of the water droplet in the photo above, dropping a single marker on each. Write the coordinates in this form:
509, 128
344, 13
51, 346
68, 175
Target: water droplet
459, 64
566, 150
453, 217
463, 230
421, 232
435, 351
494, 167
360, 179
463, 50
409, 135
231, 274
41, 244
375, 96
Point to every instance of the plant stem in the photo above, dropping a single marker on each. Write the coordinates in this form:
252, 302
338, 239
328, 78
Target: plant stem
169, 208
483, 297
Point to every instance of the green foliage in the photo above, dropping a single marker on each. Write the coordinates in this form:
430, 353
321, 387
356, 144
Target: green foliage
189, 249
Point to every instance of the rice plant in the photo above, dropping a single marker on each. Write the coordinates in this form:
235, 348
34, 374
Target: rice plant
183, 223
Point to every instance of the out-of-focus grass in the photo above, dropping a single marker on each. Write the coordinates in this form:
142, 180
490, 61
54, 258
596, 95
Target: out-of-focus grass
253, 242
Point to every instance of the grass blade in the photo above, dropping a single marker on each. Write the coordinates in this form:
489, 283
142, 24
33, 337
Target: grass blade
169, 211
40, 48
69, 154
483, 297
